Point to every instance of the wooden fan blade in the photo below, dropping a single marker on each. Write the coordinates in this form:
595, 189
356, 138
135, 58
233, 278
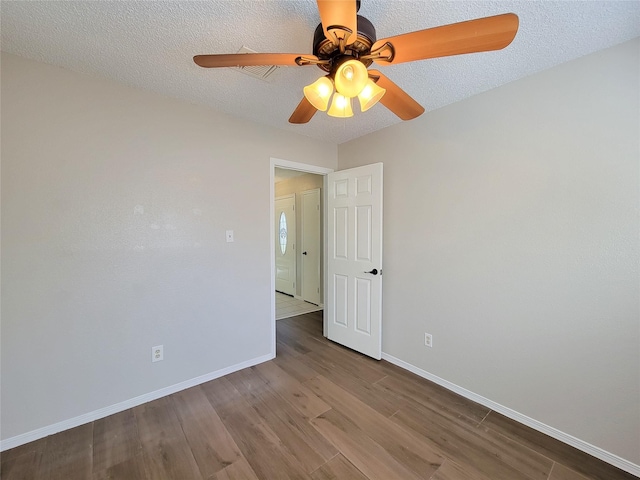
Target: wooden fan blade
303, 112
481, 35
249, 59
396, 99
339, 13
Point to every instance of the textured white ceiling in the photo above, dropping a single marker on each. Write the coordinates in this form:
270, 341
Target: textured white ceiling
150, 45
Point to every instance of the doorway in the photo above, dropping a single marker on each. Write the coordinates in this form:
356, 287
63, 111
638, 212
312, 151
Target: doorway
298, 242
295, 169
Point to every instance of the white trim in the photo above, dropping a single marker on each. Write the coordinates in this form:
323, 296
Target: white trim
302, 167
39, 433
325, 251
597, 452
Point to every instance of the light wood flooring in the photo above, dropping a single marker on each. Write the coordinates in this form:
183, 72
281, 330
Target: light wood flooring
318, 411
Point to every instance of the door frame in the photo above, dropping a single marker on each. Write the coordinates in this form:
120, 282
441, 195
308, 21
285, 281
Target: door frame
302, 167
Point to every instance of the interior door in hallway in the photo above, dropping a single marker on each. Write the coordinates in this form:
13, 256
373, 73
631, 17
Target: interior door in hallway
354, 263
285, 229
310, 245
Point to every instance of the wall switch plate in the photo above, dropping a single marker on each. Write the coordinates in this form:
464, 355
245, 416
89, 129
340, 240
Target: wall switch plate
428, 340
229, 236
157, 353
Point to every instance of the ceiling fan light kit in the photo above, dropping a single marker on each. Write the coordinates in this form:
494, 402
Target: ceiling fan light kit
340, 106
345, 45
370, 95
351, 77
319, 93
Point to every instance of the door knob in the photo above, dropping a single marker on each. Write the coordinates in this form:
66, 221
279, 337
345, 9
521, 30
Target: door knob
304, 253
373, 272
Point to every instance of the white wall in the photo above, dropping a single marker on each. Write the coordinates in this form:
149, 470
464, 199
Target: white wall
88, 284
511, 235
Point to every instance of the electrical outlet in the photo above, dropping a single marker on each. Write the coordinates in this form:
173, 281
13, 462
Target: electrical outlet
428, 340
157, 353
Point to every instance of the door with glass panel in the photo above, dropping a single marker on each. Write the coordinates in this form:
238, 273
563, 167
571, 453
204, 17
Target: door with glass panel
285, 230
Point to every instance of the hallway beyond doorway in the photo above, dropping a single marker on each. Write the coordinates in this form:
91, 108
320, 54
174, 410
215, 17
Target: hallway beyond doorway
287, 306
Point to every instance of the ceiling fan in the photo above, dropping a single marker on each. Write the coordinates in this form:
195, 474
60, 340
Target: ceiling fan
345, 45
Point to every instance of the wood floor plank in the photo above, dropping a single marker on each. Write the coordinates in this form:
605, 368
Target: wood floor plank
212, 445
157, 422
303, 399
310, 323
433, 396
452, 471
294, 367
335, 356
290, 338
27, 448
68, 455
260, 446
131, 469
170, 459
403, 445
471, 449
21, 467
515, 454
282, 349
338, 468
115, 440
340, 358
304, 442
368, 457
167, 453
293, 329
581, 462
240, 470
560, 472
384, 402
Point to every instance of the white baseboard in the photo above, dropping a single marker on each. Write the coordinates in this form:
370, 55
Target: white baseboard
39, 433
597, 452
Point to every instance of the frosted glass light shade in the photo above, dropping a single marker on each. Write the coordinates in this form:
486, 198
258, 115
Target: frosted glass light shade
351, 77
319, 93
370, 95
340, 107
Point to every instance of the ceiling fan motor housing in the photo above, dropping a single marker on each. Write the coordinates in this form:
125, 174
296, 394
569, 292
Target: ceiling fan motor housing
326, 49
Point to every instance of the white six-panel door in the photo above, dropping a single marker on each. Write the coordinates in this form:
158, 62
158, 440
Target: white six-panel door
354, 264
